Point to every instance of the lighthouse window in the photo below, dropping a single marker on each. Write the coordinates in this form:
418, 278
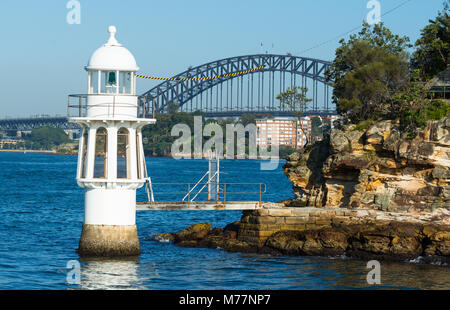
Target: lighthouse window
125, 82
109, 82
100, 153
123, 153
93, 82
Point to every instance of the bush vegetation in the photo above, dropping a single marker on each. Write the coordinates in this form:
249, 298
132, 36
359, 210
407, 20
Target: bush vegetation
375, 78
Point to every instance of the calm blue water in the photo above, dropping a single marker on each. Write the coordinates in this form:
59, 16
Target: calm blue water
42, 214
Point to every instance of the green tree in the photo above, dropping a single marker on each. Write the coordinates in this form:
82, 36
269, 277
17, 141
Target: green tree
316, 127
367, 71
47, 137
432, 53
285, 151
172, 108
295, 100
416, 107
157, 138
250, 118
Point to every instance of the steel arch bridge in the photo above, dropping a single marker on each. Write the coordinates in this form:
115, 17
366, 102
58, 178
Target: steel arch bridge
254, 92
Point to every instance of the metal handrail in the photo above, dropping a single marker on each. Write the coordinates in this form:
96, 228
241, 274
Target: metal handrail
149, 189
82, 105
203, 187
191, 189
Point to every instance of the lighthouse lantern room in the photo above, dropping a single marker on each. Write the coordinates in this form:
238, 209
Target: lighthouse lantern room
111, 163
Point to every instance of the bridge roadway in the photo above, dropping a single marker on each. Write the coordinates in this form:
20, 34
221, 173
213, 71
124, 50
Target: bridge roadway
29, 123
273, 113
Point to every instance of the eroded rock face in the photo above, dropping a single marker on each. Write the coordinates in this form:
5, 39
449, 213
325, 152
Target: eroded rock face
377, 168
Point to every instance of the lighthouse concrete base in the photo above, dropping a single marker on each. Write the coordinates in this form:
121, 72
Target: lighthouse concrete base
109, 241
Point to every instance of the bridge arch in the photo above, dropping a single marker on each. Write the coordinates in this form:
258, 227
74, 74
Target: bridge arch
215, 97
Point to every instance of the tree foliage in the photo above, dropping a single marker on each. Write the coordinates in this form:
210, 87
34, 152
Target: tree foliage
172, 108
294, 99
432, 54
416, 108
367, 71
157, 138
250, 118
316, 127
285, 151
47, 137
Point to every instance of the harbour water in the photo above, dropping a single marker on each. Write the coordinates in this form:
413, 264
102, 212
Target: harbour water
41, 215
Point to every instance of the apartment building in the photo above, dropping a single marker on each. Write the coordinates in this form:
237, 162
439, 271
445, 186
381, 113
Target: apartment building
276, 131
288, 131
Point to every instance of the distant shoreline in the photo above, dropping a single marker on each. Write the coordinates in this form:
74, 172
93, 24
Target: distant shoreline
31, 151
149, 156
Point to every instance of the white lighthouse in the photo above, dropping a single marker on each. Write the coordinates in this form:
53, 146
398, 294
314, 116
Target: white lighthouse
111, 163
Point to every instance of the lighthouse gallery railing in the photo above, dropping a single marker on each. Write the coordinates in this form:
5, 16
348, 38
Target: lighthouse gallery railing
77, 105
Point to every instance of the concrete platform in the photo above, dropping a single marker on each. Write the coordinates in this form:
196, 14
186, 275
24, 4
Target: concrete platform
199, 205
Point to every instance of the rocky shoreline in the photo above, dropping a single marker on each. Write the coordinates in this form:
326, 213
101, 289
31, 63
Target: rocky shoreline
363, 234
369, 193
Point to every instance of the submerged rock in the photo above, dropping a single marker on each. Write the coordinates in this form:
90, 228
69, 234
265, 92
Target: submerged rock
164, 237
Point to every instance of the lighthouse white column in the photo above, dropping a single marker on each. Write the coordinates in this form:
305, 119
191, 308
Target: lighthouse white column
112, 153
133, 154
90, 155
141, 157
81, 144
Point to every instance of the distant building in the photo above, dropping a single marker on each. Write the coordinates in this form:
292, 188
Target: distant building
8, 143
288, 131
439, 86
276, 131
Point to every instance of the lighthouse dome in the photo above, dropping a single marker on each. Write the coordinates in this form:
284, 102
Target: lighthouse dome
112, 56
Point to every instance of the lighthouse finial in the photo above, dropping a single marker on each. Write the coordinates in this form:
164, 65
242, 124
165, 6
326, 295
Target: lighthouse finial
112, 33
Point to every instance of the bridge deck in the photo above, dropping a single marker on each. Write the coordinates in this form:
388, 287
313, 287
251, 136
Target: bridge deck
199, 205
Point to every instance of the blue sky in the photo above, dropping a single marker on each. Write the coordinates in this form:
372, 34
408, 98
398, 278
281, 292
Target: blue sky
42, 56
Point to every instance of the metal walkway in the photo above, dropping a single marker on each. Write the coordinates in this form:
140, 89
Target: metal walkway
198, 205
219, 196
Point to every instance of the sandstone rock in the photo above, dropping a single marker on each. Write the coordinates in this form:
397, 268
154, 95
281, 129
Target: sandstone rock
378, 168
196, 231
164, 237
294, 157
339, 141
286, 242
441, 173
365, 234
354, 137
